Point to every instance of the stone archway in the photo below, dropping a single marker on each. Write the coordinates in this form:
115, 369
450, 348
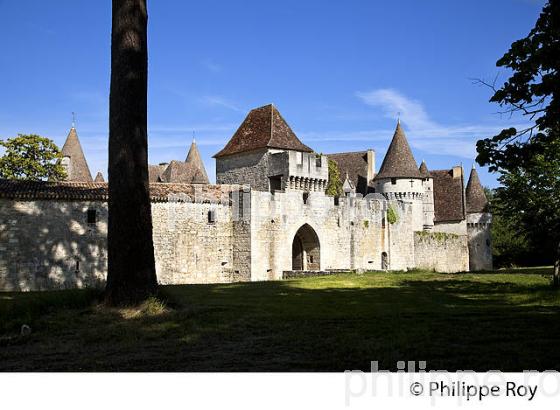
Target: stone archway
306, 249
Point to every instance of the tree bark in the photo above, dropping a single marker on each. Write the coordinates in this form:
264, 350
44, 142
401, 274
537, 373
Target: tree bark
556, 277
131, 267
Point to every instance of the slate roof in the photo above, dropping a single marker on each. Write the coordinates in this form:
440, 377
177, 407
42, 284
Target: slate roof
99, 191
195, 162
424, 170
475, 196
263, 127
99, 177
399, 161
78, 168
353, 164
448, 196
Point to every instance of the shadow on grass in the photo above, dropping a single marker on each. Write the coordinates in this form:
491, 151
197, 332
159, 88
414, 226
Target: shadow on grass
320, 324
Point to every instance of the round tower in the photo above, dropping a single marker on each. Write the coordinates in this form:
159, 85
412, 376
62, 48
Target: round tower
400, 179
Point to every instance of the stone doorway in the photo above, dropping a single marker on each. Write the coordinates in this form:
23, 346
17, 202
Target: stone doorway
306, 250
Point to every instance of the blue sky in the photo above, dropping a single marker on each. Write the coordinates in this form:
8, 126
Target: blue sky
338, 71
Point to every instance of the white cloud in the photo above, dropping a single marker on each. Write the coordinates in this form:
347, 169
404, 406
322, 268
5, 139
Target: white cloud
424, 133
217, 100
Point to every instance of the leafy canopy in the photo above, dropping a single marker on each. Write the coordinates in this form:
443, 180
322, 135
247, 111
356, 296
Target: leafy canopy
533, 91
31, 157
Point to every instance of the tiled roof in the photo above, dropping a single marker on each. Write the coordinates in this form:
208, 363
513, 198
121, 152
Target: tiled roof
78, 169
424, 170
475, 196
448, 196
353, 164
399, 161
263, 127
98, 191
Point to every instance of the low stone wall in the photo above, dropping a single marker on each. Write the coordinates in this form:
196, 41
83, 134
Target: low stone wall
441, 252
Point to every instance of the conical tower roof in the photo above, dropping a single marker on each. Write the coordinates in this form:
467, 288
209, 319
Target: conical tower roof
263, 127
399, 161
77, 167
475, 196
195, 161
99, 177
424, 170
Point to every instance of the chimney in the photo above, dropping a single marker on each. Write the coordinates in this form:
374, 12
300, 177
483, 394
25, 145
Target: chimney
457, 171
370, 165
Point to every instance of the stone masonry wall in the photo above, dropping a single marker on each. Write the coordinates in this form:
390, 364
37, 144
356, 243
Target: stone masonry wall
441, 252
245, 168
50, 245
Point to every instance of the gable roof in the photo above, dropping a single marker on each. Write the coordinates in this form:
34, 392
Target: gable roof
77, 169
195, 162
448, 196
263, 127
182, 172
475, 196
399, 161
355, 166
424, 170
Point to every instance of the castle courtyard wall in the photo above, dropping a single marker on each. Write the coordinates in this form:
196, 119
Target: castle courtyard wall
441, 252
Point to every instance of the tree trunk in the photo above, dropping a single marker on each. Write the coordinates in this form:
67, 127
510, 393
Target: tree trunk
556, 278
131, 268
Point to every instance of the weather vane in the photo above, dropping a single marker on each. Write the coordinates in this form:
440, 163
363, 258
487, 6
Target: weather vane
73, 119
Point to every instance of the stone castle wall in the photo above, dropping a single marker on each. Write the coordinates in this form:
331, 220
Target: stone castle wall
441, 252
51, 245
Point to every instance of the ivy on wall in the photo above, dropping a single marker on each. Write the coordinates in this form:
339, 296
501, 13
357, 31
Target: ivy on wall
392, 216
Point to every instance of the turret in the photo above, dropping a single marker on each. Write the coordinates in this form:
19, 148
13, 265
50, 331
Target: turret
479, 220
428, 200
399, 177
74, 160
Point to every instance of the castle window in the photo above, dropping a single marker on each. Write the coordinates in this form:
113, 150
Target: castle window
305, 197
383, 223
211, 216
393, 181
318, 161
91, 216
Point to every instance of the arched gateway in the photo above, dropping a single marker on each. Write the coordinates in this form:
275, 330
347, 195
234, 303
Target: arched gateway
306, 251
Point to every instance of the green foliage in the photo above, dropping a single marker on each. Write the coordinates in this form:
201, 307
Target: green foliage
334, 186
366, 223
392, 215
528, 159
532, 91
527, 205
31, 157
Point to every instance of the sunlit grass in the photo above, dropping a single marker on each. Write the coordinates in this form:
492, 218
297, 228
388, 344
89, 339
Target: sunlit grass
505, 320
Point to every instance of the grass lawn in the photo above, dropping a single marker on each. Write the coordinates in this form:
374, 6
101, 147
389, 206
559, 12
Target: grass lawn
508, 321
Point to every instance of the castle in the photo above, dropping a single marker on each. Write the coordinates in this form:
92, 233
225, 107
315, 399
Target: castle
267, 218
